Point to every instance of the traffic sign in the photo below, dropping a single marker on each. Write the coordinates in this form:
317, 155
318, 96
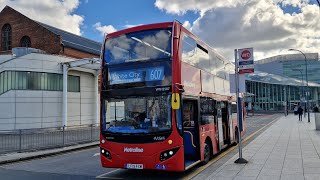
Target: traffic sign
244, 71
249, 66
245, 61
245, 54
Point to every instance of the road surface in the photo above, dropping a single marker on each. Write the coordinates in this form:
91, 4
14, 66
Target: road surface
85, 164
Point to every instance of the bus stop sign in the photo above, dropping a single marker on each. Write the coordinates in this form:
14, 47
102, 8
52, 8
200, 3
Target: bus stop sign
245, 60
245, 55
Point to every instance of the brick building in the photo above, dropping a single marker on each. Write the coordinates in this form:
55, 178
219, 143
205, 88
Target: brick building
44, 80
17, 30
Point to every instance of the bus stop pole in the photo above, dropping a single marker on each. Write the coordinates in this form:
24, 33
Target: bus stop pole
240, 160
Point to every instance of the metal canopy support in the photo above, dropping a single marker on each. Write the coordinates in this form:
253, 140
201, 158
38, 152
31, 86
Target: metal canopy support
86, 65
65, 96
83, 62
81, 69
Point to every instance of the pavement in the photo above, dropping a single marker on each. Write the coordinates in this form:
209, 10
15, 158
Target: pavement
26, 140
14, 157
287, 150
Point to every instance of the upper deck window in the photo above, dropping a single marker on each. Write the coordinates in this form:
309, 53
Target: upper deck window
189, 47
138, 46
195, 54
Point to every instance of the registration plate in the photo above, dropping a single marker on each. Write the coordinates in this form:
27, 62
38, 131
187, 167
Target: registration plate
134, 166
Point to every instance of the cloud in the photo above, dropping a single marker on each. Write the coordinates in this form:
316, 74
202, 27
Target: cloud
180, 7
104, 29
56, 13
107, 29
187, 25
261, 24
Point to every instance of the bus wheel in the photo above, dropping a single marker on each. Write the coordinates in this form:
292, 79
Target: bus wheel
206, 153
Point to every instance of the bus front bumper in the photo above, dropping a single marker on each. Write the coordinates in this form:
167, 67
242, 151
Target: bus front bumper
137, 161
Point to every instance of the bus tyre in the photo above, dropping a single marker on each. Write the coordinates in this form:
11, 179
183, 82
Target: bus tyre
206, 153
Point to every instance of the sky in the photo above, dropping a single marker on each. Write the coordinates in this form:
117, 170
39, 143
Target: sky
271, 27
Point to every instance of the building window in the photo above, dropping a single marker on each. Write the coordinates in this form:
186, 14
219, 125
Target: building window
25, 41
6, 37
21, 80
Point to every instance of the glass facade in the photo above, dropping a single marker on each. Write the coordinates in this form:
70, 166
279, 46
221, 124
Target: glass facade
21, 80
297, 69
292, 65
272, 97
287, 75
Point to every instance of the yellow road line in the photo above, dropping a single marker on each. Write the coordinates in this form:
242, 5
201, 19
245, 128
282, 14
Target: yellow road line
251, 135
200, 169
101, 176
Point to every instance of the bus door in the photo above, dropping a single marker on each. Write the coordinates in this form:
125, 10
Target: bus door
216, 124
231, 134
219, 124
191, 131
234, 120
225, 122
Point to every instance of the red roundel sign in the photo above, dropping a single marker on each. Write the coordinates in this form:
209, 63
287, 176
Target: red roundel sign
245, 55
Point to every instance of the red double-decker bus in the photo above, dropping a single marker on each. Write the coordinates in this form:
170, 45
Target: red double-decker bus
165, 101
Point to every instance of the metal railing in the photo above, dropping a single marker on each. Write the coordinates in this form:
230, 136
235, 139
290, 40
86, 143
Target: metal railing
24, 140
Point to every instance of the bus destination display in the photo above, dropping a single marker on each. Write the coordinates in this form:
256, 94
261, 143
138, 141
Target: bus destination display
137, 75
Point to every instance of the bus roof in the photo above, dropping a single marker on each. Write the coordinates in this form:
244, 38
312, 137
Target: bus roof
141, 28
166, 25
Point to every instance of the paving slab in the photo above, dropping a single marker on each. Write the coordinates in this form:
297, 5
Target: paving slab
311, 176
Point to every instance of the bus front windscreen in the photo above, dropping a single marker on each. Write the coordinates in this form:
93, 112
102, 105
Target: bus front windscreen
138, 46
135, 115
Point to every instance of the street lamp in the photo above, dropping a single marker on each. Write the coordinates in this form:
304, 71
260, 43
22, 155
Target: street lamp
307, 92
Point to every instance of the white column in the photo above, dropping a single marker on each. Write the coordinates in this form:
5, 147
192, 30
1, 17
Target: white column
65, 96
97, 99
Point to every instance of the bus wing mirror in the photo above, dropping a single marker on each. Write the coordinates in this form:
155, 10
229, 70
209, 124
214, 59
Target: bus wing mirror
175, 101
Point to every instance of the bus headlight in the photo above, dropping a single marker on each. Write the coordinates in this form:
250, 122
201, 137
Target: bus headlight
168, 154
105, 153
